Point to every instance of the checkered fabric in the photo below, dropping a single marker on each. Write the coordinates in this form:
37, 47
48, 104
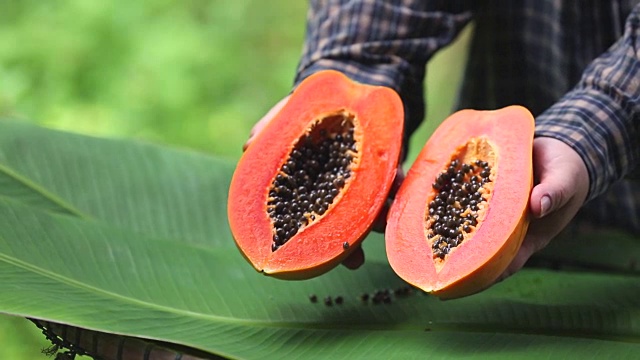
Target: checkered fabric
575, 64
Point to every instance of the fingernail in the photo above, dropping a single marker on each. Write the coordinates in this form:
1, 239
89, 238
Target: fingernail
545, 205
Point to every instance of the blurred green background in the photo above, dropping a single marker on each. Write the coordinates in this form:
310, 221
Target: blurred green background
193, 74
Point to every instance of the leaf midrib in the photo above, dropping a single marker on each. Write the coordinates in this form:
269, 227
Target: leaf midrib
443, 327
90, 288
43, 192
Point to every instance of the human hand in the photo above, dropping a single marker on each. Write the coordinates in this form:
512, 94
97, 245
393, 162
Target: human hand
255, 130
356, 258
561, 186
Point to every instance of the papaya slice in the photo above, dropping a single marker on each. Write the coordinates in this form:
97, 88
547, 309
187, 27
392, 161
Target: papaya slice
307, 190
461, 213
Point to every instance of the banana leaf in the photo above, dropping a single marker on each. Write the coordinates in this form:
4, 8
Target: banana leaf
129, 238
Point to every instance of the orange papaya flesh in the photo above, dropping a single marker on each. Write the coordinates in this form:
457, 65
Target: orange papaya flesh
461, 214
306, 191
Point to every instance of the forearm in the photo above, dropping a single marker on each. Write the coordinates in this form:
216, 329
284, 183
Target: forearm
600, 117
380, 42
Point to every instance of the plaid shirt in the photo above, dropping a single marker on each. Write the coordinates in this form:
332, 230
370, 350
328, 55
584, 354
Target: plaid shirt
574, 64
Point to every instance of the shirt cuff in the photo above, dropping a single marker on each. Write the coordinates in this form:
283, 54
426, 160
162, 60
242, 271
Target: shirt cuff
595, 126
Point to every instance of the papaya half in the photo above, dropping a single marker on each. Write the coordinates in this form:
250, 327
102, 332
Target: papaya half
461, 213
308, 188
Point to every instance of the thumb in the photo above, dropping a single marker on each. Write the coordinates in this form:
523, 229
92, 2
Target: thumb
555, 168
548, 196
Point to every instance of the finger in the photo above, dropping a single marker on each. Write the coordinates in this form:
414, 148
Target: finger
528, 248
260, 125
397, 181
355, 259
380, 223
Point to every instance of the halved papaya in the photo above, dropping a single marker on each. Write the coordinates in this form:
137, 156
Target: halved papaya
309, 187
461, 213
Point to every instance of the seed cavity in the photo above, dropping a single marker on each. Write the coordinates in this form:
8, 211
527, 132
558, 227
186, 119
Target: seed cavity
318, 168
461, 193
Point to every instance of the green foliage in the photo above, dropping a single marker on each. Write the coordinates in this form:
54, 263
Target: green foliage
170, 71
20, 339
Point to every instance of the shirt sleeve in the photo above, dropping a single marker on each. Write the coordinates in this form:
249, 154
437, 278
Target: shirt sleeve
381, 42
600, 117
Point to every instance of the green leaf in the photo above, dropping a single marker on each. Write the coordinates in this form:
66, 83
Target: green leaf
604, 249
17, 187
161, 192
121, 268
